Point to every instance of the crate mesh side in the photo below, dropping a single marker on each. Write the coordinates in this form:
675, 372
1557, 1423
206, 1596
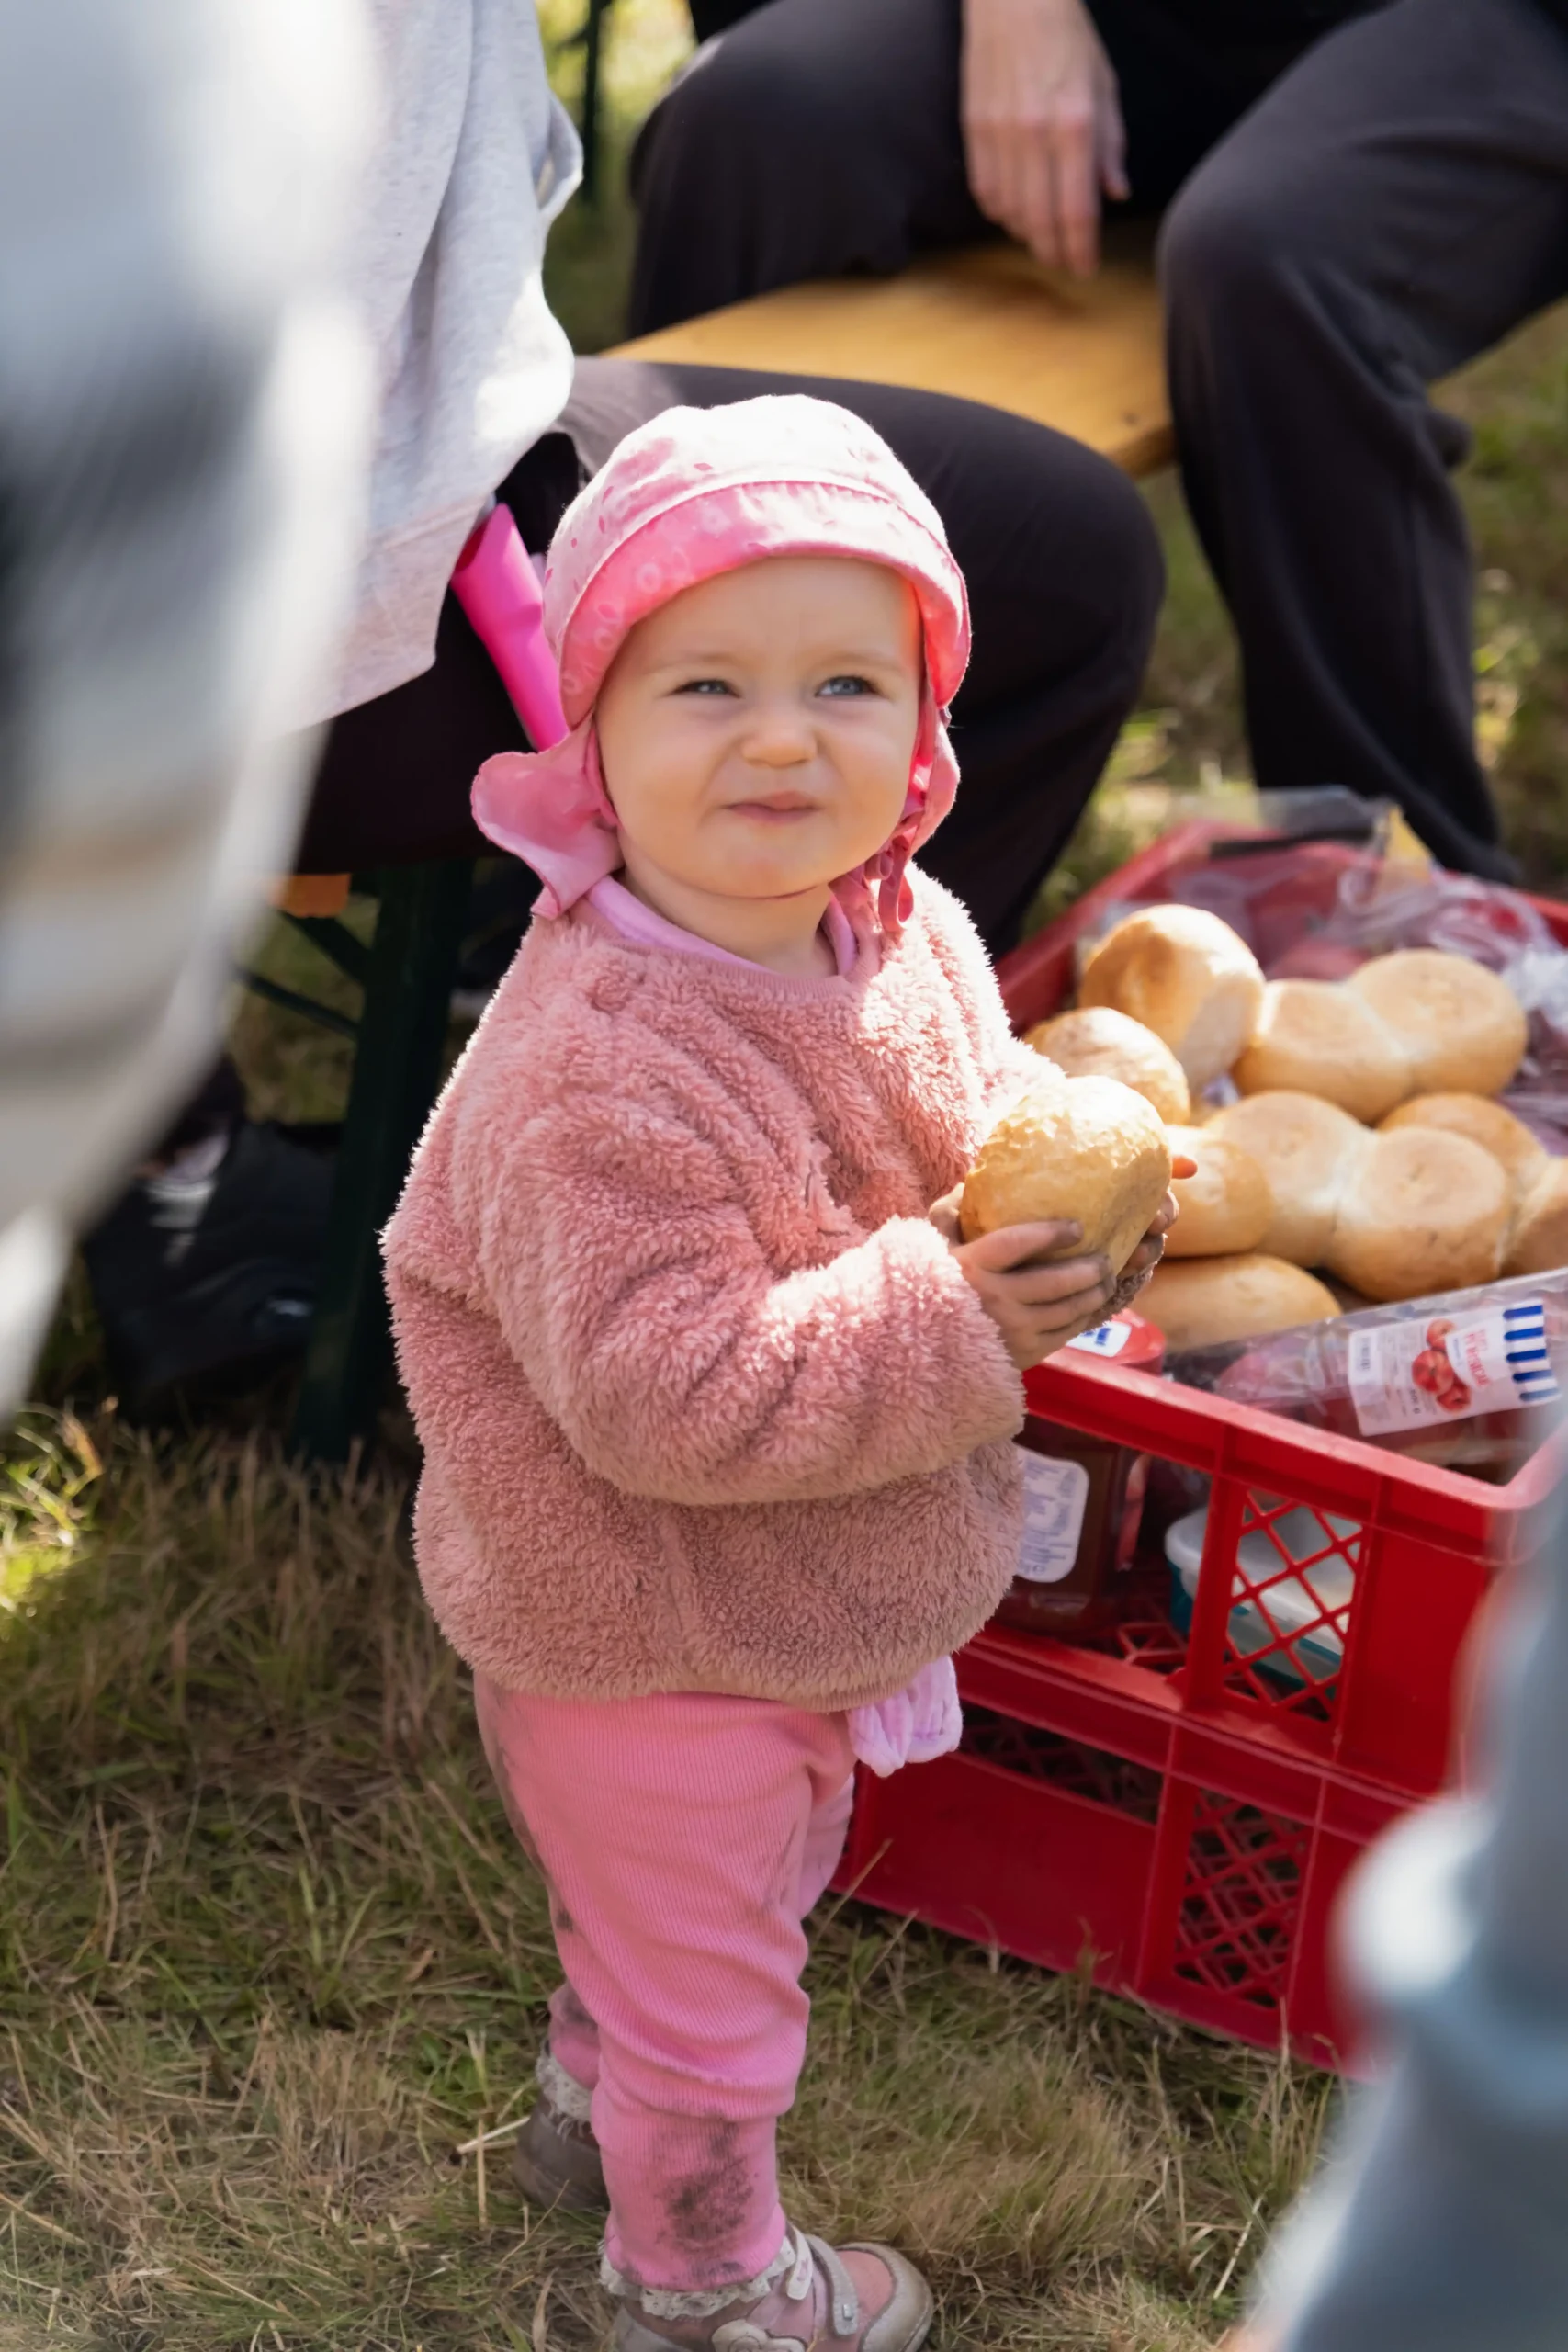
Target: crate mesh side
1149, 1641
1067, 1764
1241, 1900
1275, 1655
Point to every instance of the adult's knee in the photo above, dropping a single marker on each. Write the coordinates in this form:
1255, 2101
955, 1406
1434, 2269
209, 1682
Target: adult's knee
1244, 255
1135, 571
1064, 565
1091, 529
1216, 250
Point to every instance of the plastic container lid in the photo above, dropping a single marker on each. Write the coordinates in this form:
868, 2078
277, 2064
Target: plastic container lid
1127, 1339
1292, 1602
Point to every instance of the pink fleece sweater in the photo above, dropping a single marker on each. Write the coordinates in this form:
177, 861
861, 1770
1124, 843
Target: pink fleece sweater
705, 1402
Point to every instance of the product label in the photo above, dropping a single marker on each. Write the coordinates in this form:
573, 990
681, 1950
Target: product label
1410, 1375
1055, 1495
1105, 1339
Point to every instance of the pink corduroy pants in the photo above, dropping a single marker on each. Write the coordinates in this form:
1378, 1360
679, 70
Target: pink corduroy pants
683, 1840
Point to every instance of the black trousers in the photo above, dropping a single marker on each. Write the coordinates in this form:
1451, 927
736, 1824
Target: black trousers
821, 137
1362, 206
1065, 583
1397, 203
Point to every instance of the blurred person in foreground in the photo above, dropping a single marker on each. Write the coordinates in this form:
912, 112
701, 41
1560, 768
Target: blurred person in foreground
182, 408
208, 1265
1361, 197
1442, 2224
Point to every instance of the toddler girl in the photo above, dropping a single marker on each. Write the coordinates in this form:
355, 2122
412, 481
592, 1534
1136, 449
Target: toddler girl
717, 1411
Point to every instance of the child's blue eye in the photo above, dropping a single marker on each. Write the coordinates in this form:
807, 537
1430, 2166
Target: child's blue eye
706, 686
846, 685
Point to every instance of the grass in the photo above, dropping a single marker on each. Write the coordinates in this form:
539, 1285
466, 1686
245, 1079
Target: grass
268, 1959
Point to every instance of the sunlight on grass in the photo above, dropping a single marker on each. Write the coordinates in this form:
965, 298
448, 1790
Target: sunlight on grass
52, 1476
269, 1958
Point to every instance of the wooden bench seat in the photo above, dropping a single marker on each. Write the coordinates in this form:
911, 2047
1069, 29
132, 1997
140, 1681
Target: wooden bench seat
990, 324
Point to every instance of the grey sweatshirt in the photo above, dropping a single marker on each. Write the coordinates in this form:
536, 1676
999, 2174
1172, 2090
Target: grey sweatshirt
473, 160
1442, 2226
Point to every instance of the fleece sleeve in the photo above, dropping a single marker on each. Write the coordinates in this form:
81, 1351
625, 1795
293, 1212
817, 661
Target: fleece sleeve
1005, 1065
630, 1282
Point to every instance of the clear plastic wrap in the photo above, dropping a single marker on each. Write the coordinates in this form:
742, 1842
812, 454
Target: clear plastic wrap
1375, 912
1326, 880
1273, 871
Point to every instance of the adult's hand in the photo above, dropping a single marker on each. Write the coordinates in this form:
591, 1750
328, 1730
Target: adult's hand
1042, 130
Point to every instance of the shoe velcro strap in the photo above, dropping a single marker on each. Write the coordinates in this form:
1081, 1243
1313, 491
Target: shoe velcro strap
844, 2316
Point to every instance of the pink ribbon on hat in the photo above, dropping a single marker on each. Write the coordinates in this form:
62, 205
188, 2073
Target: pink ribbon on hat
693, 494
568, 828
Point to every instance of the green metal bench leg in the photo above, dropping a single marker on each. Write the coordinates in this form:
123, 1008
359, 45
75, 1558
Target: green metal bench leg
396, 1069
592, 39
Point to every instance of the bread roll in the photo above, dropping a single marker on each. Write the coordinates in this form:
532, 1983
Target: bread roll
1198, 1302
1084, 1148
1539, 1242
1462, 1028
1185, 974
1522, 1159
1098, 1042
1304, 1147
1420, 1211
1227, 1206
1318, 1038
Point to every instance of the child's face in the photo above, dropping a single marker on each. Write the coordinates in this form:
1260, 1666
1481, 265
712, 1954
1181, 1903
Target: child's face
756, 732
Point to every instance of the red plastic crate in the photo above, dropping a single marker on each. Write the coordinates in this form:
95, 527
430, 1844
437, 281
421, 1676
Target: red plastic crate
1158, 1806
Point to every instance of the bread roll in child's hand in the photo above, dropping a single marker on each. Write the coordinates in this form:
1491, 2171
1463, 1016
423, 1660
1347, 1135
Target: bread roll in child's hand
1086, 1148
1063, 1214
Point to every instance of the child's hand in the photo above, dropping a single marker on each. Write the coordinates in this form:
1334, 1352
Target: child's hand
1038, 1308
1151, 1248
1035, 1307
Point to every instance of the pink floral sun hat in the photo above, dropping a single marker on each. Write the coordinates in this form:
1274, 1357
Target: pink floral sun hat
693, 494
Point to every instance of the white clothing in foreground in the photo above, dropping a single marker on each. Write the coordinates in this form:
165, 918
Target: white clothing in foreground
184, 415
1443, 2225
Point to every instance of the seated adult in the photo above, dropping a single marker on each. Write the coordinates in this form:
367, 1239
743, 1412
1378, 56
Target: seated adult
808, 139
1396, 204
210, 1261
1363, 206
